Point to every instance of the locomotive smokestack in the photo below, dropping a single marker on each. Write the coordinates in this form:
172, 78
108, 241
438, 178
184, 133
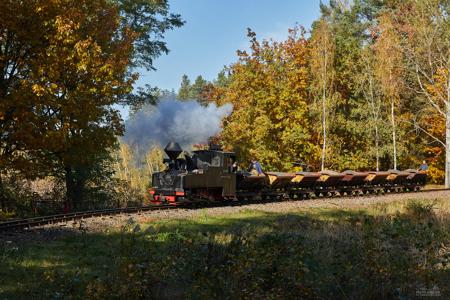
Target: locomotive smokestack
173, 150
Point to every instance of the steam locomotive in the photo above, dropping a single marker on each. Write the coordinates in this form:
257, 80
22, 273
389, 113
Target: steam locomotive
209, 175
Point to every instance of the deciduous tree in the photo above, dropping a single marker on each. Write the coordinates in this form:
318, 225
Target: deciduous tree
268, 90
425, 27
322, 73
389, 71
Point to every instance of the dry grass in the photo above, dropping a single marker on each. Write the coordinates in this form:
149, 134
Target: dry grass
399, 249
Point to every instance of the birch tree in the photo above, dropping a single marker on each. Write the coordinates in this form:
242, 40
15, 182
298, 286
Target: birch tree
321, 63
370, 90
426, 28
389, 61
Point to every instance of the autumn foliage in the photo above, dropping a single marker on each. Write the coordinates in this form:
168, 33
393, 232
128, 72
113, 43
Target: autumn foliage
268, 90
363, 91
65, 64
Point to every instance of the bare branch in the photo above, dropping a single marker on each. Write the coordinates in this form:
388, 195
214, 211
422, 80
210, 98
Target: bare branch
430, 99
426, 132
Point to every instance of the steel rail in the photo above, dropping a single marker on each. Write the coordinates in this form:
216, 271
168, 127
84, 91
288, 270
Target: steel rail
58, 218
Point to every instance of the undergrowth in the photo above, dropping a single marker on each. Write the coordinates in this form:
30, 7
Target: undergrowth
321, 254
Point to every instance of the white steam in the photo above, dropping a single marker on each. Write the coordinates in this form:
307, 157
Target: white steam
184, 122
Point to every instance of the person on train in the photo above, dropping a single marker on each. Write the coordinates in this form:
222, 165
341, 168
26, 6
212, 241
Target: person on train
234, 167
256, 168
423, 166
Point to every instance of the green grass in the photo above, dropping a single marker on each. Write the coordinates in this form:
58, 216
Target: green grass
384, 251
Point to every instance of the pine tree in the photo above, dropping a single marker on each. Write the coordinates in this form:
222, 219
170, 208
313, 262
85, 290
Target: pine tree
184, 93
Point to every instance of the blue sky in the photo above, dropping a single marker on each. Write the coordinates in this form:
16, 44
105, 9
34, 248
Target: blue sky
215, 29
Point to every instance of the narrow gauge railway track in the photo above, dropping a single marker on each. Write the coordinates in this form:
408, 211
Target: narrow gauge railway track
53, 219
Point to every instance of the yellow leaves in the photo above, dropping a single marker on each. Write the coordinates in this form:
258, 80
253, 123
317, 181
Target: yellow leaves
439, 88
388, 58
38, 90
268, 91
65, 28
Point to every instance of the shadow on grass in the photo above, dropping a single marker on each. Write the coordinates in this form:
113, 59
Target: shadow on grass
324, 254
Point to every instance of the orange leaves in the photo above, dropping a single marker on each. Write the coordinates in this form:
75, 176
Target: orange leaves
389, 56
74, 69
439, 87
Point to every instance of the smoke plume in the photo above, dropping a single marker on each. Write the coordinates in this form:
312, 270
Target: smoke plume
185, 122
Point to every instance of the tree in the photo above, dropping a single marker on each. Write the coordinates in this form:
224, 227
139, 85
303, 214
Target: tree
348, 137
268, 90
389, 62
425, 28
74, 85
370, 89
150, 20
65, 64
184, 92
322, 56
213, 91
21, 39
197, 89
222, 79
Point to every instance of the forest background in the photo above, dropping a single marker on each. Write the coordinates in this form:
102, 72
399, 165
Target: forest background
368, 87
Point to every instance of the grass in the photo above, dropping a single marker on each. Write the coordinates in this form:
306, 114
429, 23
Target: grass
391, 250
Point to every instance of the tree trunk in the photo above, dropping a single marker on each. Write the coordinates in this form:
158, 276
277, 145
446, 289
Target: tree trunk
324, 130
375, 119
69, 187
324, 109
447, 146
394, 141
2, 194
377, 153
73, 188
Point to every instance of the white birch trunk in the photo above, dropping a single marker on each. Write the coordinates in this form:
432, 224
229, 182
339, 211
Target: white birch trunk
324, 110
375, 113
394, 141
376, 147
324, 105
447, 146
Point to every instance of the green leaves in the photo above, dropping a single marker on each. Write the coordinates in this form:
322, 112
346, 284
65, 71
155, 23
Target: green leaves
150, 20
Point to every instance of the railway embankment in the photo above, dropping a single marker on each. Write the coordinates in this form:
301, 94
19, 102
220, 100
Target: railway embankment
385, 246
104, 222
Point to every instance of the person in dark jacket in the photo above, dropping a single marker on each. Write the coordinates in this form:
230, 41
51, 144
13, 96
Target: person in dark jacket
256, 168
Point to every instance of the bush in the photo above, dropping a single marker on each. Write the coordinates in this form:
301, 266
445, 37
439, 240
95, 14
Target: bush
436, 175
